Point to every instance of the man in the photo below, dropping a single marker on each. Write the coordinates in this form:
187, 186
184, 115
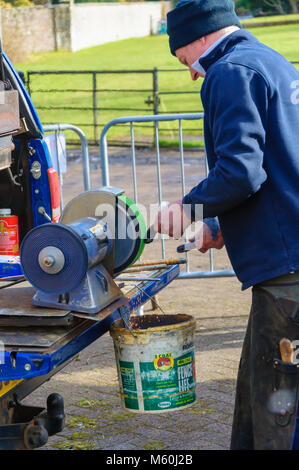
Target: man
251, 121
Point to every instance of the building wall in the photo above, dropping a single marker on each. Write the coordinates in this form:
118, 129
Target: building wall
26, 30
94, 24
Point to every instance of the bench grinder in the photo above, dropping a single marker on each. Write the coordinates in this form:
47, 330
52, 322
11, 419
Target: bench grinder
72, 263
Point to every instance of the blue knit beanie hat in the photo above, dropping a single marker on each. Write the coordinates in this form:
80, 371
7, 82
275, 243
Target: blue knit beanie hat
193, 19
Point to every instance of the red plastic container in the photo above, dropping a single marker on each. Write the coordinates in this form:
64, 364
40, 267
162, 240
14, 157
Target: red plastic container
9, 233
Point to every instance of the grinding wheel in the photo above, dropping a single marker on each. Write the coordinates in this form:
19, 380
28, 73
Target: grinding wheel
130, 247
125, 222
59, 242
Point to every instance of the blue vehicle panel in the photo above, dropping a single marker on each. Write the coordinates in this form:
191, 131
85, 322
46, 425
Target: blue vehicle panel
30, 147
40, 190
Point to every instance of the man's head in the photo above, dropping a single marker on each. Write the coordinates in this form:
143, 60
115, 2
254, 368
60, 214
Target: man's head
190, 53
194, 25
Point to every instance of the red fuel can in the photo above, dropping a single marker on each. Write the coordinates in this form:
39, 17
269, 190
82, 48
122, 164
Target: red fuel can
9, 233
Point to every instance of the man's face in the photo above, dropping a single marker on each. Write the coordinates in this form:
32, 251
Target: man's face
187, 55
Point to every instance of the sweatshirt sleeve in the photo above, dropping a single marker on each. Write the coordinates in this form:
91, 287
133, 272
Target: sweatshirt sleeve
235, 100
213, 225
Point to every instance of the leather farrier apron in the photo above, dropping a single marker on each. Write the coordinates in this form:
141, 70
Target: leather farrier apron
267, 386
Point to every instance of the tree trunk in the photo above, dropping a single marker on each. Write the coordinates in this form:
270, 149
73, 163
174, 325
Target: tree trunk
294, 6
279, 8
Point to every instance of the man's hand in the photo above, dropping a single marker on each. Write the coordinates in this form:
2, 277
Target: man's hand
204, 239
172, 220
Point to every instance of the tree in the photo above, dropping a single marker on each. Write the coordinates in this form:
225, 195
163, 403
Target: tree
278, 5
284, 6
294, 4
272, 6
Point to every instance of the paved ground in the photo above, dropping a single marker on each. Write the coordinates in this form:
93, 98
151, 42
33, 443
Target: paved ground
95, 419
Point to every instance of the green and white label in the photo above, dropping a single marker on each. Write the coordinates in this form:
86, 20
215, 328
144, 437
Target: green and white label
128, 379
166, 382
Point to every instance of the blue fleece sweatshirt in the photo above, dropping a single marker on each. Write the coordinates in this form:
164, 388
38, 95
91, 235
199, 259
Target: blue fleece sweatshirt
250, 96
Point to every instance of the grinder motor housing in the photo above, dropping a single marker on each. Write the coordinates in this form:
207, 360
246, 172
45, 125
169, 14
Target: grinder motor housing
73, 264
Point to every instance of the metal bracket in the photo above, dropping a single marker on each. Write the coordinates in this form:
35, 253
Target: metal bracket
18, 365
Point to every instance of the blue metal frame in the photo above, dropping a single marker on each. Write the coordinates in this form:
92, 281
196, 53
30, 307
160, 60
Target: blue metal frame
27, 365
40, 189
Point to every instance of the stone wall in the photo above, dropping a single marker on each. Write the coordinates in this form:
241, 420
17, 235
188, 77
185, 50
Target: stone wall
26, 30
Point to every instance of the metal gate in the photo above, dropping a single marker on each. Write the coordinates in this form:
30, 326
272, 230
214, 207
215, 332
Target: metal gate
156, 119
89, 98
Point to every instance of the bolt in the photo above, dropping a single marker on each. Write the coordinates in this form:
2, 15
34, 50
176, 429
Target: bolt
41, 210
49, 261
27, 367
36, 170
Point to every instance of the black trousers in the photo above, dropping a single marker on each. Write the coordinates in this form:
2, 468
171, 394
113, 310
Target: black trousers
267, 387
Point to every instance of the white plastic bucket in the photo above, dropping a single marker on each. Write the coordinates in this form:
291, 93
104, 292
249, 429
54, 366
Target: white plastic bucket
156, 362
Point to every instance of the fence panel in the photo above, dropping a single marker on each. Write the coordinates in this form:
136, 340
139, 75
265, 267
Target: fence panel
57, 128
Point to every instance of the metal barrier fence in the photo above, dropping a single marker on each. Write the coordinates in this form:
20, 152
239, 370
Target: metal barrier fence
106, 173
57, 128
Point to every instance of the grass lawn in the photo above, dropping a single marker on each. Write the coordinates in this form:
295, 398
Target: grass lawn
131, 54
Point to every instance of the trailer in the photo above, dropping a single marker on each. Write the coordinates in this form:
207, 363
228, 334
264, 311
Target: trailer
37, 347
